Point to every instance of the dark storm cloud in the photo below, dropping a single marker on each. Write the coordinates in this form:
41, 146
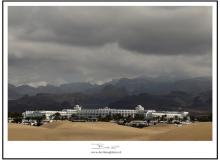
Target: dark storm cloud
73, 44
147, 30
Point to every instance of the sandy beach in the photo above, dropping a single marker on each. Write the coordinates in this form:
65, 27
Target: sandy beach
106, 131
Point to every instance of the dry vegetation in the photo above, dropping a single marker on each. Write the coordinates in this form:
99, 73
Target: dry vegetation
66, 130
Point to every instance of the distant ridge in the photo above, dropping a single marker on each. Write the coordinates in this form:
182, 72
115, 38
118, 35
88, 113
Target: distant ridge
190, 94
132, 86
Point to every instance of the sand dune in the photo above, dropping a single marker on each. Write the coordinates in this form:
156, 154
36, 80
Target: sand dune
195, 131
66, 130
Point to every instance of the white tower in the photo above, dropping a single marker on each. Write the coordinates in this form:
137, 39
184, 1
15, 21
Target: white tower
77, 107
139, 108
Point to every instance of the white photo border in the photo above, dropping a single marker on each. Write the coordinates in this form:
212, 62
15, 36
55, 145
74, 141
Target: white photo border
126, 149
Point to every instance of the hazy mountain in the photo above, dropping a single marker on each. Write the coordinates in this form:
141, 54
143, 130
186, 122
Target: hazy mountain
12, 93
143, 85
132, 86
194, 85
163, 86
76, 87
115, 98
65, 88
191, 94
202, 100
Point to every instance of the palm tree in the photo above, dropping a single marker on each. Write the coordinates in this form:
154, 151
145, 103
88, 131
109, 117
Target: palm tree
129, 118
170, 120
57, 116
176, 117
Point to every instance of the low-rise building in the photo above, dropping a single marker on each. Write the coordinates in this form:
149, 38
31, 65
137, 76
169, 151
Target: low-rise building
49, 114
170, 114
10, 119
103, 112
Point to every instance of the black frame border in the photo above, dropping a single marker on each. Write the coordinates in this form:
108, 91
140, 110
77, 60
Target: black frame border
103, 158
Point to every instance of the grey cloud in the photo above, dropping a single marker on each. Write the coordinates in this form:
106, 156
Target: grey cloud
98, 64
146, 30
71, 44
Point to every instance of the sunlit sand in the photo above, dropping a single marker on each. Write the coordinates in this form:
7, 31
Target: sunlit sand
89, 131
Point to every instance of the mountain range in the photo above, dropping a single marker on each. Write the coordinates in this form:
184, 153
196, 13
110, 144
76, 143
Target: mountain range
193, 94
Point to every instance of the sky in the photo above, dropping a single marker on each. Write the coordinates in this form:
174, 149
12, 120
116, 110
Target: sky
65, 44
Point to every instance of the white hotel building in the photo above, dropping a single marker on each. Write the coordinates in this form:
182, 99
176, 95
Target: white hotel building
170, 114
103, 112
48, 114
